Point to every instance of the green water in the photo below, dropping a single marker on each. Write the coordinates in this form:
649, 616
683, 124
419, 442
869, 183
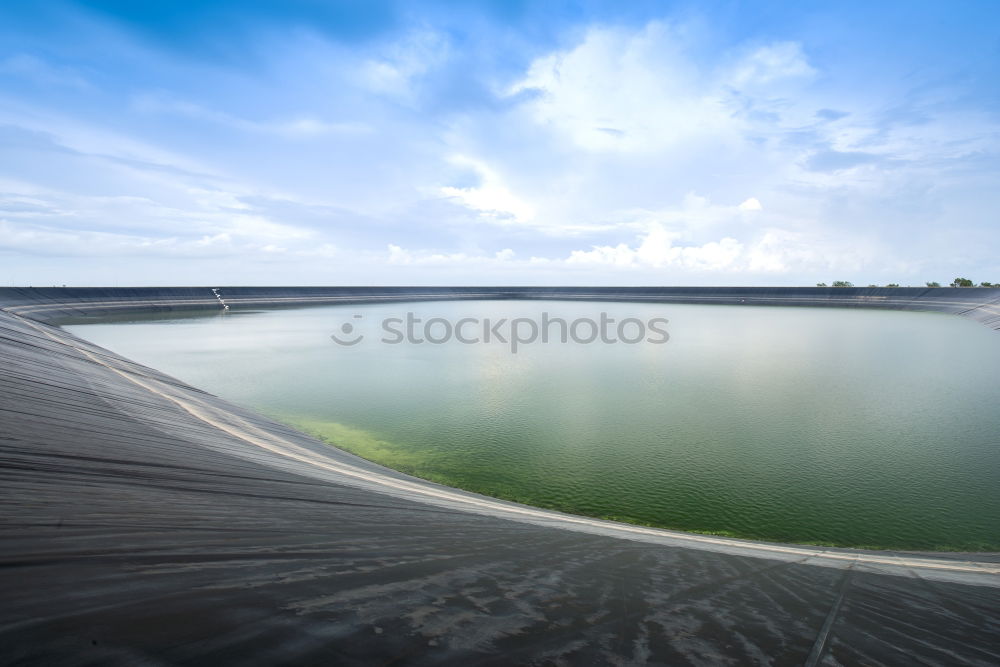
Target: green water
840, 427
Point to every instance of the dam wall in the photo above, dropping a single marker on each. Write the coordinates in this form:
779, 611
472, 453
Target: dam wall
58, 304
144, 521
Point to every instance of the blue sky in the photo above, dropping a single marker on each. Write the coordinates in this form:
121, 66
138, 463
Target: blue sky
499, 143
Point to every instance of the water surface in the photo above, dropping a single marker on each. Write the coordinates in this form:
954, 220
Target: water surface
809, 425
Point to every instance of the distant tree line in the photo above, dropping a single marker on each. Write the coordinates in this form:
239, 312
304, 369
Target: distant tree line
965, 282
958, 282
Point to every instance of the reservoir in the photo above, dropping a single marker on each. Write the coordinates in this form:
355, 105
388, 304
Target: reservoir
841, 427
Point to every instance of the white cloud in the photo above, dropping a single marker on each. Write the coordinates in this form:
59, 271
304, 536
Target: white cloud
301, 126
624, 91
641, 92
696, 216
307, 126
782, 251
399, 255
399, 67
661, 251
770, 63
657, 250
775, 251
491, 198
242, 238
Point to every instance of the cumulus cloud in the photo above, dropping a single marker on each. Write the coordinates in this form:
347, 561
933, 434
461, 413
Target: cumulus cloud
775, 251
641, 91
657, 249
620, 90
491, 197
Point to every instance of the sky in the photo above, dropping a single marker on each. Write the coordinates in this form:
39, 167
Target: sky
491, 143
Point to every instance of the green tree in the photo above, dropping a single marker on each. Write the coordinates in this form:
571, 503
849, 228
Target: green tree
842, 283
893, 285
820, 284
934, 284
962, 282
984, 284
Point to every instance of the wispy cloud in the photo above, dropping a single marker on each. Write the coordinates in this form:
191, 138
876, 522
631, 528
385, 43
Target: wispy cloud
303, 126
38, 71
